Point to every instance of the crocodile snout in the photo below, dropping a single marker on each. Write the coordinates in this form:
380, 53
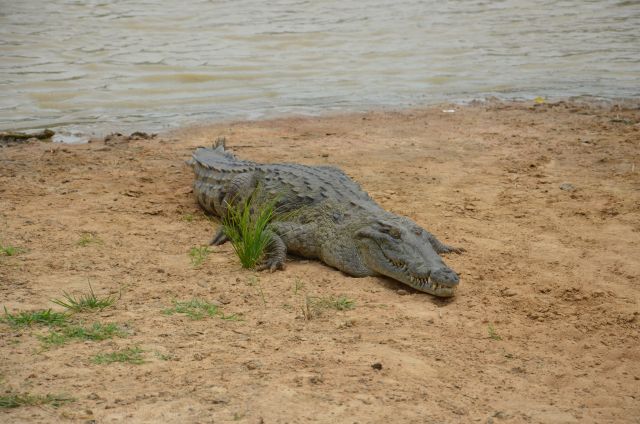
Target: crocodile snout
445, 276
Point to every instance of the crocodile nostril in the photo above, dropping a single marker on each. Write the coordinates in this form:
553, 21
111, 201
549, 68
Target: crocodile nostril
445, 276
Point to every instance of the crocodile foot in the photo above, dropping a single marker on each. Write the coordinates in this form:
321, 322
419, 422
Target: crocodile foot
451, 249
219, 238
271, 264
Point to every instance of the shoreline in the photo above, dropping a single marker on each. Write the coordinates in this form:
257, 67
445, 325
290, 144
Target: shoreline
77, 133
543, 329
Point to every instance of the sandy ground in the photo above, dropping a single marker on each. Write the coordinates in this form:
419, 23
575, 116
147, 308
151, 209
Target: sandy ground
544, 327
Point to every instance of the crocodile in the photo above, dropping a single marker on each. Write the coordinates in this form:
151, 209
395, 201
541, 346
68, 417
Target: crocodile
326, 216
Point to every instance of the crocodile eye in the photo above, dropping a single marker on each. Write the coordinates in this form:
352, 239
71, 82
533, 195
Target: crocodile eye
393, 232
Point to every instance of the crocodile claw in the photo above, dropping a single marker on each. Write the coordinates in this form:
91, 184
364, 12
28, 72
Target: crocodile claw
219, 238
451, 249
272, 265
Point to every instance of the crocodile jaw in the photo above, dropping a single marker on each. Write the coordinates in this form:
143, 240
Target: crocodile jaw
425, 280
431, 287
408, 260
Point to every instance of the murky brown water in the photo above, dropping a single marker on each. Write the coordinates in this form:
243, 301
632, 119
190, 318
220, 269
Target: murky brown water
94, 66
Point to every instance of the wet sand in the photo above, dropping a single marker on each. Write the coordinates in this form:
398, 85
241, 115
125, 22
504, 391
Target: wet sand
544, 328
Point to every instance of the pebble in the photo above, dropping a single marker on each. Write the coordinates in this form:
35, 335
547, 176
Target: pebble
567, 187
402, 292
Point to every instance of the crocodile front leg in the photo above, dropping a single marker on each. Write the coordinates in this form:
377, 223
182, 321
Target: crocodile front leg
300, 239
437, 245
292, 237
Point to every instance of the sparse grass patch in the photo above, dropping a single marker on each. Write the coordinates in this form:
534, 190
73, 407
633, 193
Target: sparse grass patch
194, 309
298, 285
188, 217
247, 226
87, 238
16, 400
85, 302
341, 303
230, 317
198, 254
10, 250
492, 333
197, 309
313, 306
27, 319
131, 355
96, 332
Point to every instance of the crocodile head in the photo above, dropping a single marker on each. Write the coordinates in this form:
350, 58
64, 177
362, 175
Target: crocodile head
391, 249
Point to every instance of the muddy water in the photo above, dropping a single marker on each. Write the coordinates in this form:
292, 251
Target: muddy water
94, 66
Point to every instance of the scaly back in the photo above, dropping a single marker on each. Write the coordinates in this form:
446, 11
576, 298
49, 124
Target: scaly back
296, 184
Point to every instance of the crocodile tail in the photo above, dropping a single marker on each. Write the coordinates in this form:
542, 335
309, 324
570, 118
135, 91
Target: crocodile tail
204, 156
220, 144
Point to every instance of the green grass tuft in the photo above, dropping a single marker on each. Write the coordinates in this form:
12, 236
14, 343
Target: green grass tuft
247, 226
197, 309
42, 317
16, 400
131, 355
85, 302
96, 332
198, 255
10, 250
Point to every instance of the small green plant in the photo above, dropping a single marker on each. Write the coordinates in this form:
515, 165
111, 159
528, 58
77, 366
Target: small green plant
95, 332
198, 255
16, 400
88, 238
188, 217
85, 302
10, 250
194, 309
492, 333
27, 319
131, 355
247, 226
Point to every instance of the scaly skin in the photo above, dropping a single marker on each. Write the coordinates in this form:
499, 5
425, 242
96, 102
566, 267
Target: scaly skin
332, 219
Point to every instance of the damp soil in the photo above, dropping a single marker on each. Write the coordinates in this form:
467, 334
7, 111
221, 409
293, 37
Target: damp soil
543, 329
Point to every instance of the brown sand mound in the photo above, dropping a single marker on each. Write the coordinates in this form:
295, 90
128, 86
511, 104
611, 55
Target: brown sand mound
544, 328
